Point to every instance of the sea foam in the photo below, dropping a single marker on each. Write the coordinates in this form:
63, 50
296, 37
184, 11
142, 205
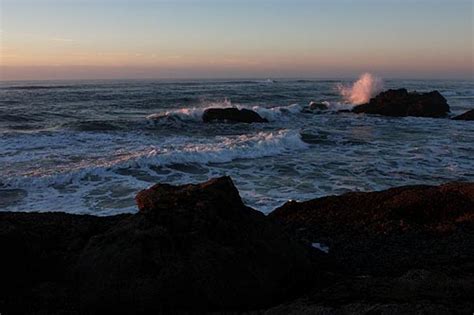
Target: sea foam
362, 90
194, 114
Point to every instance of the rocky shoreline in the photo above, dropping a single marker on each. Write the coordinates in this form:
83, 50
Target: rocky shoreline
198, 249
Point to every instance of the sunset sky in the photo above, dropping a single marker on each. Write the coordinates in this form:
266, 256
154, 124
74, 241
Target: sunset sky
96, 39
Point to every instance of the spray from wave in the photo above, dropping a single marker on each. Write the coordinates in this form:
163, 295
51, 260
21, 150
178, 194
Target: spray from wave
362, 90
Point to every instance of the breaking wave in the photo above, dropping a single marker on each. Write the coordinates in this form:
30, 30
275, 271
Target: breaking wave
194, 114
179, 150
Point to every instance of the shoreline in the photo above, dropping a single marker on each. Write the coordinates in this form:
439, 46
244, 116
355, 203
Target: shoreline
401, 248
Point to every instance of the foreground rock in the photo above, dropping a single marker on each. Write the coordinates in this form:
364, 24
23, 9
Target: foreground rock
198, 248
190, 248
232, 114
407, 250
469, 115
400, 103
39, 252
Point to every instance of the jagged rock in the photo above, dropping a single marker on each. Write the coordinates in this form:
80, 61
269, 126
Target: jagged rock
406, 250
469, 115
198, 248
232, 114
389, 231
400, 103
191, 247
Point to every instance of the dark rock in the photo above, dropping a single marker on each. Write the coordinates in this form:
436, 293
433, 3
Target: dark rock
317, 106
400, 103
191, 247
406, 250
418, 291
38, 254
232, 114
469, 115
389, 231
198, 248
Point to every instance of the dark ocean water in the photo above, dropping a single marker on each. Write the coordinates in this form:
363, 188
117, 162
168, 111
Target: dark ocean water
90, 146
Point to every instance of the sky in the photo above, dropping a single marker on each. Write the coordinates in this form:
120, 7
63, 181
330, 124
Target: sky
101, 39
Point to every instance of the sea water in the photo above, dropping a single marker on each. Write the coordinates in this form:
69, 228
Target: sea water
90, 146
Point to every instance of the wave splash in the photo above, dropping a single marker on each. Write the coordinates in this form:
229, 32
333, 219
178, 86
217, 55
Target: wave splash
194, 114
366, 87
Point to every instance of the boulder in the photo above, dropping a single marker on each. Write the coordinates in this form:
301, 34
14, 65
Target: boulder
469, 115
400, 103
191, 247
317, 106
232, 114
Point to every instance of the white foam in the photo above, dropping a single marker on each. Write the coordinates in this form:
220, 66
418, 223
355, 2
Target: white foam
276, 113
176, 150
362, 90
321, 247
189, 113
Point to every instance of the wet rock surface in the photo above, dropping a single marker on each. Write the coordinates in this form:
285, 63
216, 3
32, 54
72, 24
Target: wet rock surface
469, 115
401, 103
233, 115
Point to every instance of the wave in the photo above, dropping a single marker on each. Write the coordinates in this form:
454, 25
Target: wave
177, 150
194, 114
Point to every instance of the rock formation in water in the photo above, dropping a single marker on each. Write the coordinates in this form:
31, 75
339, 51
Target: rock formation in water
232, 114
400, 103
469, 115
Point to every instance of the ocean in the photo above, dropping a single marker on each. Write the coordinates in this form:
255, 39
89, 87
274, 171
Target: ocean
88, 147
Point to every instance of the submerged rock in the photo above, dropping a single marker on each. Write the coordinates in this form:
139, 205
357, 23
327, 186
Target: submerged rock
469, 115
232, 114
400, 103
317, 106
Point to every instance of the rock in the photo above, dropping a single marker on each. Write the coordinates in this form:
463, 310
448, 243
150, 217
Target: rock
39, 251
191, 247
317, 106
418, 291
400, 103
469, 115
388, 232
232, 114
198, 248
406, 250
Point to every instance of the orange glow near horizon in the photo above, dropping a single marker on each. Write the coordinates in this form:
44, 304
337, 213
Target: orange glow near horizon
277, 39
